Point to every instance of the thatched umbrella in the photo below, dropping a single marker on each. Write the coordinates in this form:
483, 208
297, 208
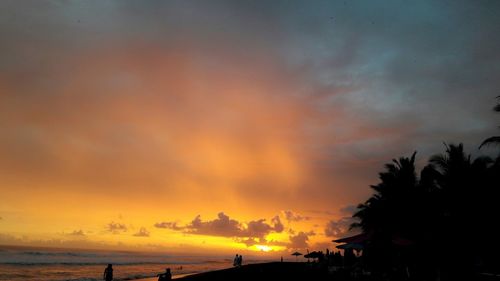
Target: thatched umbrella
296, 254
313, 255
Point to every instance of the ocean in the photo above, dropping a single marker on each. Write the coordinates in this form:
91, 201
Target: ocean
43, 264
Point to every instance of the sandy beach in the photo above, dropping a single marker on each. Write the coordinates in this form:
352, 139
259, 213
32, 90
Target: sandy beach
284, 271
272, 271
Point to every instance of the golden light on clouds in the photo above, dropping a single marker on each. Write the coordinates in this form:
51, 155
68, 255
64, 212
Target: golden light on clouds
128, 139
223, 126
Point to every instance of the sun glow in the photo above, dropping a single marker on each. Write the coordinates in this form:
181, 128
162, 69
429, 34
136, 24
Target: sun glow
263, 248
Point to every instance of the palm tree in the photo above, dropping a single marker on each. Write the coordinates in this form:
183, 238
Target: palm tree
494, 139
467, 192
448, 212
384, 211
389, 213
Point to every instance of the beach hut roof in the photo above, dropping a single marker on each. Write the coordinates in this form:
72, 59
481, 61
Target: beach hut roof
354, 246
358, 239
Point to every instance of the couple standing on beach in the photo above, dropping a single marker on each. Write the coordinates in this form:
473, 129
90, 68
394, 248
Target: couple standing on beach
238, 260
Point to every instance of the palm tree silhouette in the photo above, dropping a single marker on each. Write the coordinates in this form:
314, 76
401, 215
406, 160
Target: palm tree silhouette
452, 202
467, 191
494, 139
390, 212
391, 197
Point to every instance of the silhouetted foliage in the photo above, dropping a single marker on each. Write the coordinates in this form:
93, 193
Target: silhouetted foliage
445, 217
494, 139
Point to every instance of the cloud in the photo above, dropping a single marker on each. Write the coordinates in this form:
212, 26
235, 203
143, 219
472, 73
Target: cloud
321, 212
300, 241
169, 96
249, 242
277, 224
79, 243
221, 226
224, 226
77, 233
258, 228
116, 228
293, 216
169, 225
348, 210
339, 228
143, 232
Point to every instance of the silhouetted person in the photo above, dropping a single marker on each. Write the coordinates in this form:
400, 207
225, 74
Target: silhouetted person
108, 273
236, 259
165, 276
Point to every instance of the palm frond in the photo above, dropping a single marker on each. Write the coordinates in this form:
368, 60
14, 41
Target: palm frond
492, 140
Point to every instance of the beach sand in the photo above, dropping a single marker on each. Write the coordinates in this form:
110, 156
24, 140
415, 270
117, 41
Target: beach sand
283, 271
179, 276
265, 271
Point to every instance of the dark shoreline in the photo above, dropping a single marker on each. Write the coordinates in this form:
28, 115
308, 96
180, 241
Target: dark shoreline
284, 271
267, 271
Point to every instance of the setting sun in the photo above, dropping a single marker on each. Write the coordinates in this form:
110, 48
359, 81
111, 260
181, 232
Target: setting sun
263, 248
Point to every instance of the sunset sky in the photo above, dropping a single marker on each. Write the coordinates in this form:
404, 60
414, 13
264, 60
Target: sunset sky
197, 126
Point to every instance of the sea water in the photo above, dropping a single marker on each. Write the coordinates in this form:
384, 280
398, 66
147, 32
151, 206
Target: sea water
43, 264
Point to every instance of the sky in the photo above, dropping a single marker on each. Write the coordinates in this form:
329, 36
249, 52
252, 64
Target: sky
223, 126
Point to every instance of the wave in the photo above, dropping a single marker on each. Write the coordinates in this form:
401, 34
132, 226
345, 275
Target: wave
101, 263
56, 254
137, 276
78, 263
132, 277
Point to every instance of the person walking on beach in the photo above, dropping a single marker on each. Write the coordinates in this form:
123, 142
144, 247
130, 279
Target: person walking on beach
108, 273
165, 276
